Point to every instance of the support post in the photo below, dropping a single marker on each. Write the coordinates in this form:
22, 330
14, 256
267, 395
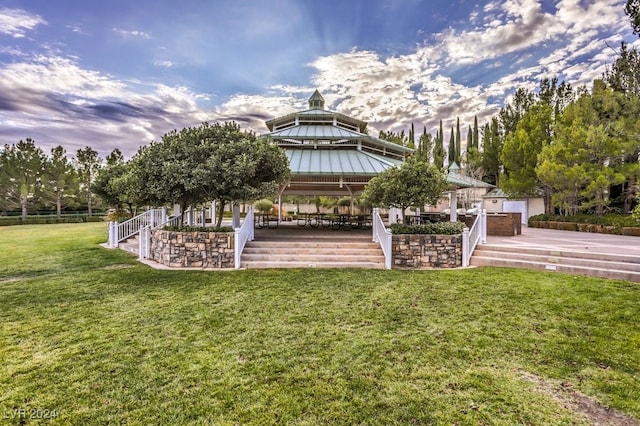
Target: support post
163, 220
453, 205
213, 212
152, 217
113, 234
376, 212
235, 215
465, 247
483, 226
279, 208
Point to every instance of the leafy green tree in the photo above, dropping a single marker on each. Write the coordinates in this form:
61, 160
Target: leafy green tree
414, 183
114, 183
209, 162
87, 164
398, 138
632, 9
24, 165
61, 178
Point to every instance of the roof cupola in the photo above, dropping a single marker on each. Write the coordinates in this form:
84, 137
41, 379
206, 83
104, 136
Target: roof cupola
316, 101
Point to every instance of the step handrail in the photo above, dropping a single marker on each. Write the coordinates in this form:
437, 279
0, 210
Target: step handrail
474, 236
383, 236
242, 235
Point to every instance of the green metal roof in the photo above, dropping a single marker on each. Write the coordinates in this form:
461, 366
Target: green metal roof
465, 181
337, 162
315, 132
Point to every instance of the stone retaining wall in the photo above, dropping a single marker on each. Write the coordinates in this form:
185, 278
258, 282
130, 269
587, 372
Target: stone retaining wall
418, 251
192, 249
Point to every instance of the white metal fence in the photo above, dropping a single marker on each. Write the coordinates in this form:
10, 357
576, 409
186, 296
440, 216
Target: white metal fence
382, 235
474, 236
242, 235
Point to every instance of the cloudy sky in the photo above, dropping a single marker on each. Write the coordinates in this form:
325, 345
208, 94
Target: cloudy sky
121, 73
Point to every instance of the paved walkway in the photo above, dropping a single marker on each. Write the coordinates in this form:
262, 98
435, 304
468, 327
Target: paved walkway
571, 241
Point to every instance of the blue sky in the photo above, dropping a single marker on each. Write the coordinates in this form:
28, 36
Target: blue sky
119, 74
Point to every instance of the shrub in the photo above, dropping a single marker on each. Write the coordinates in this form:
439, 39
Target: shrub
617, 220
264, 205
440, 228
636, 214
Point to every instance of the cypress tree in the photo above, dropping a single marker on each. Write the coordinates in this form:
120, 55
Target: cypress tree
452, 149
458, 141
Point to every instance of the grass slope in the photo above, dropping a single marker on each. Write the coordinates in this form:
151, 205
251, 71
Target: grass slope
94, 337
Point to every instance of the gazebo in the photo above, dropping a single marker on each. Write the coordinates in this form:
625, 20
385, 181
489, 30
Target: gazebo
330, 153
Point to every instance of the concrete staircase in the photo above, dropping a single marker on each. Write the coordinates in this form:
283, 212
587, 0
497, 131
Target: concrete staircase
604, 265
130, 245
352, 252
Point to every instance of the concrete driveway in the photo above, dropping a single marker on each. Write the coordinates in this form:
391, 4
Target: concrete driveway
571, 241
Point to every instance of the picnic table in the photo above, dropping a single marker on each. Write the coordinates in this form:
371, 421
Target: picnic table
265, 221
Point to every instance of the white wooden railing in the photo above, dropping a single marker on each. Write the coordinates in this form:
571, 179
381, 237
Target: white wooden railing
242, 235
474, 236
144, 242
121, 231
383, 236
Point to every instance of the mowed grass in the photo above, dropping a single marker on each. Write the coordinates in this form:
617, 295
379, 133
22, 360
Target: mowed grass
92, 336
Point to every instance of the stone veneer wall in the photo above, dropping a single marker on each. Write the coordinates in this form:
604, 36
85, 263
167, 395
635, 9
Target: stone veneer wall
192, 249
418, 251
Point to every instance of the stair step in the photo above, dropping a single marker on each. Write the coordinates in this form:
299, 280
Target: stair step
565, 259
311, 251
559, 253
594, 264
293, 257
301, 264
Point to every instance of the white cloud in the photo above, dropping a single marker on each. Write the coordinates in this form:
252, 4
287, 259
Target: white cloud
164, 63
15, 22
131, 33
57, 102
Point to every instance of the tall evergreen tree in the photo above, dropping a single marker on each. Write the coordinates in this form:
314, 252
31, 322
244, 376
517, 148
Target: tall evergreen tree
475, 141
88, 164
452, 148
61, 178
469, 144
521, 150
491, 151
24, 162
624, 78
425, 146
458, 145
438, 150
411, 142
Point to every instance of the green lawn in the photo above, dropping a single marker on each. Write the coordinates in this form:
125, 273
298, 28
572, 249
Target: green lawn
94, 337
